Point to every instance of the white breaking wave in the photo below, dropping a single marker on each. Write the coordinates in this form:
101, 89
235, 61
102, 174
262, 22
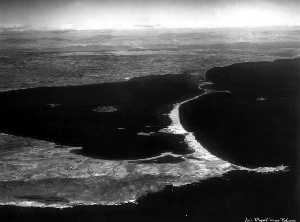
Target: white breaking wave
177, 128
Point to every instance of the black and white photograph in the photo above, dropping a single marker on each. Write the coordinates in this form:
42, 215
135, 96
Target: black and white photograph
150, 110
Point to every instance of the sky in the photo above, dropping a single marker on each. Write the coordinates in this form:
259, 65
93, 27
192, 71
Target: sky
131, 14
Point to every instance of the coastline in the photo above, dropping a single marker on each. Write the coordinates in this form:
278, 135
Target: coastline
194, 144
230, 193
197, 155
120, 153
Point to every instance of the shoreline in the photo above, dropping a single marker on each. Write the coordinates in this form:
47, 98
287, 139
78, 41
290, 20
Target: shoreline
119, 149
217, 179
199, 153
249, 124
176, 127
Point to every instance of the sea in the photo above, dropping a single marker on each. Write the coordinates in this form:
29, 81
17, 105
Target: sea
40, 173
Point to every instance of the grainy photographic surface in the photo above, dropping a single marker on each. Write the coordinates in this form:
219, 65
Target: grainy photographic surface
149, 110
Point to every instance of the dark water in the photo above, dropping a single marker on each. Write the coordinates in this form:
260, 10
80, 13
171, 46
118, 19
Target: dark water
71, 115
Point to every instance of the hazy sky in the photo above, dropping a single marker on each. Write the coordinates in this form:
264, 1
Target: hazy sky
97, 14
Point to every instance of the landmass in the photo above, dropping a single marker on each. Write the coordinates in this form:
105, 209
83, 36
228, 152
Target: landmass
250, 115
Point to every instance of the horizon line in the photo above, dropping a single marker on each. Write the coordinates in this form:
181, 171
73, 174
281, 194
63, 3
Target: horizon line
16, 28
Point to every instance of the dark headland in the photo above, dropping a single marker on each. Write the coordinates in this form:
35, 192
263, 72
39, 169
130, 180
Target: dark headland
251, 117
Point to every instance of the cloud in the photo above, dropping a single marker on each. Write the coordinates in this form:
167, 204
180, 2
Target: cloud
94, 14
